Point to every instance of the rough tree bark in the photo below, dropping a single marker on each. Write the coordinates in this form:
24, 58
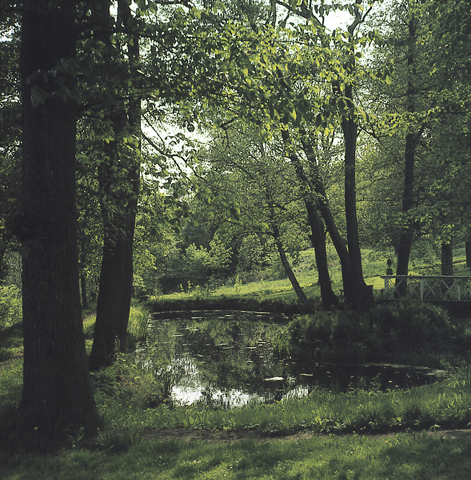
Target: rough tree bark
57, 392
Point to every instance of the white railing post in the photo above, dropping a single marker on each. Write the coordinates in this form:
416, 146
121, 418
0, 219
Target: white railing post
421, 289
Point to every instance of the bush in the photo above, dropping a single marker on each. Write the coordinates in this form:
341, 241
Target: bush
402, 332
10, 305
125, 382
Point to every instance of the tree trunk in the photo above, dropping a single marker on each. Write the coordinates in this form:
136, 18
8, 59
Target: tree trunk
324, 209
447, 258
289, 271
57, 392
317, 232
359, 296
329, 299
407, 231
468, 253
119, 182
115, 286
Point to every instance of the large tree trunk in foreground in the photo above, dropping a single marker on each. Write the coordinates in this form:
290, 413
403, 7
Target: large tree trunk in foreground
57, 392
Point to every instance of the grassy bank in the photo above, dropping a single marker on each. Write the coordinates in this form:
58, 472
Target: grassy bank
278, 295
359, 434
355, 435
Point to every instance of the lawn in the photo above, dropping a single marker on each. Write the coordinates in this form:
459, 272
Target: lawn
417, 433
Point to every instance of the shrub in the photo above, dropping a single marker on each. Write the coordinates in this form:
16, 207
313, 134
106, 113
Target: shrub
125, 382
403, 331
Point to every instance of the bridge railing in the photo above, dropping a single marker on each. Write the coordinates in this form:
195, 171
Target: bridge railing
428, 288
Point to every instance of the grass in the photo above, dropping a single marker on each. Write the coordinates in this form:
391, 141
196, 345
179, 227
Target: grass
444, 404
360, 434
278, 294
355, 457
405, 332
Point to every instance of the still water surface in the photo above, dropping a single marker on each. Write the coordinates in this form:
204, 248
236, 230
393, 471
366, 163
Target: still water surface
224, 359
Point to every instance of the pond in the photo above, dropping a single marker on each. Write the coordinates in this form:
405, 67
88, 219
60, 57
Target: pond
224, 359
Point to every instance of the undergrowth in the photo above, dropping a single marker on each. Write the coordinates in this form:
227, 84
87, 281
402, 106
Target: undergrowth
402, 332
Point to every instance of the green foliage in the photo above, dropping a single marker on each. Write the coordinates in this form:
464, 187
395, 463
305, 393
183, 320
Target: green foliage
137, 325
250, 256
10, 305
401, 332
124, 384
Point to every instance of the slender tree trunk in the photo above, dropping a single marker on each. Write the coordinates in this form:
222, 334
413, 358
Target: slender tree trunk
115, 286
57, 392
447, 258
329, 299
317, 231
119, 181
289, 271
468, 253
324, 209
359, 295
407, 231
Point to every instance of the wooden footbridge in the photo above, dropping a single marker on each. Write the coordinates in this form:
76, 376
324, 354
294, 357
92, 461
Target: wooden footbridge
428, 288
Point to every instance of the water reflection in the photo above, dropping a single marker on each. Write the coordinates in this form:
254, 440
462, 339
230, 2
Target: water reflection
224, 359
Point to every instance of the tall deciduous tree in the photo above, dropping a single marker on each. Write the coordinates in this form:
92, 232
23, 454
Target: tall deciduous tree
57, 391
265, 188
118, 176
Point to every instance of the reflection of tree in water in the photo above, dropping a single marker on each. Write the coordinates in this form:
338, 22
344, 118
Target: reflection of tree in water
221, 354
223, 361
235, 353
